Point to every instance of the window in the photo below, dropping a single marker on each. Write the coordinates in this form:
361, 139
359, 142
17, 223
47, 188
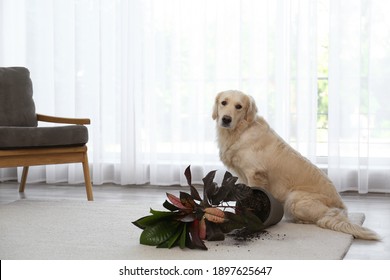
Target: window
323, 64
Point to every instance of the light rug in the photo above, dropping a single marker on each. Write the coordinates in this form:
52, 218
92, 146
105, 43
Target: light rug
103, 230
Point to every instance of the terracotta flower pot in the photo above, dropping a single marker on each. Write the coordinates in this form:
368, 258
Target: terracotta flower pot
264, 205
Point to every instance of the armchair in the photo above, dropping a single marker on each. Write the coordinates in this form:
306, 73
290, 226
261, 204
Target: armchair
24, 143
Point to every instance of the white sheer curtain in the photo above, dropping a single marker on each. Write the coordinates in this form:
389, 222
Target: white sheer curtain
146, 72
359, 112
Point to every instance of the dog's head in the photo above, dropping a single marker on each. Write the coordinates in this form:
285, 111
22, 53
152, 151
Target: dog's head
232, 107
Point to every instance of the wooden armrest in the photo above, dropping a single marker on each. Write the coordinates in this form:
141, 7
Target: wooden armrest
52, 119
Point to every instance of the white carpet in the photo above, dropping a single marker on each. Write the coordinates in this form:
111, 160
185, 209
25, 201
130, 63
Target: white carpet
103, 230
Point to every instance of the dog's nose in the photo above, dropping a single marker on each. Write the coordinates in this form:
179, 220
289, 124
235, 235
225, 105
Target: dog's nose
226, 120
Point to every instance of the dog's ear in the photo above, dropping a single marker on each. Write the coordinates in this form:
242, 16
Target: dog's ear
215, 108
251, 110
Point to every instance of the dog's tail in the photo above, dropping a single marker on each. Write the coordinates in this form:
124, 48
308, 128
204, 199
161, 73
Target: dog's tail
337, 220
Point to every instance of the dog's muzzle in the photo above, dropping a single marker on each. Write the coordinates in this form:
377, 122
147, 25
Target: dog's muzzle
226, 121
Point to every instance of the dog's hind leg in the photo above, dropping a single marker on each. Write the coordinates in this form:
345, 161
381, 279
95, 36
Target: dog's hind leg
305, 207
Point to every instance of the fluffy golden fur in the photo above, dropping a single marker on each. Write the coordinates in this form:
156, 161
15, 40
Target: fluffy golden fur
252, 150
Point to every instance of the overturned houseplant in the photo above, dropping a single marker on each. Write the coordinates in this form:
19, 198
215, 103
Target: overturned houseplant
192, 219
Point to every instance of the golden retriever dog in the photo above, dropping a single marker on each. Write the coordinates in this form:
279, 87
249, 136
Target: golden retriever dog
252, 150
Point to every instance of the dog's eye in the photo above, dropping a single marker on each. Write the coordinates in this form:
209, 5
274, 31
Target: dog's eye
238, 106
224, 103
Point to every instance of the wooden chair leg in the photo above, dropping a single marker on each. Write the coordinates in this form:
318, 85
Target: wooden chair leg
87, 178
24, 179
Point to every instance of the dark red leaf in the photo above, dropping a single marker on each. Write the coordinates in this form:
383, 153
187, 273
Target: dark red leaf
214, 232
208, 180
175, 201
209, 187
195, 193
202, 229
187, 200
187, 173
196, 241
227, 176
170, 206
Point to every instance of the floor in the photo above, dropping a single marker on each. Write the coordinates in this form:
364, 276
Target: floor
375, 206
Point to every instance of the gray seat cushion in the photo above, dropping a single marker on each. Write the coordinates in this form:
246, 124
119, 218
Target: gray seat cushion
16, 103
38, 137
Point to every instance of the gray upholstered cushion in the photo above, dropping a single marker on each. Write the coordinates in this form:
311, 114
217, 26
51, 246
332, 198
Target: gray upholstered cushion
16, 104
31, 137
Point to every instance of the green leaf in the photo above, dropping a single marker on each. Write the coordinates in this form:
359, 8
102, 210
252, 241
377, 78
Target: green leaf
161, 214
183, 237
173, 240
163, 245
158, 233
156, 217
